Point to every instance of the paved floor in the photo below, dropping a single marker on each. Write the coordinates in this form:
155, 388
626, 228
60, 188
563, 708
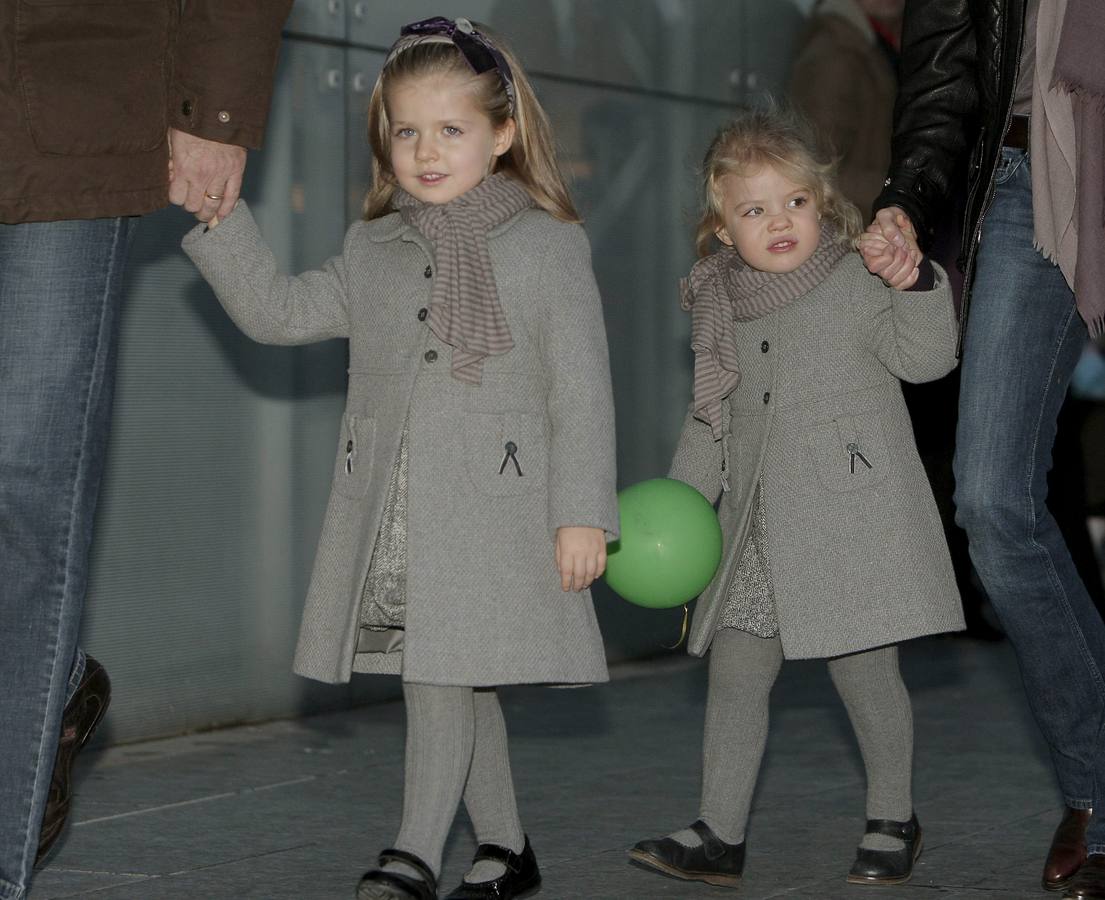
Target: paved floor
296, 809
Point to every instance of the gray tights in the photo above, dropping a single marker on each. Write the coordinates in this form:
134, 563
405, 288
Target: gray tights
743, 669
456, 742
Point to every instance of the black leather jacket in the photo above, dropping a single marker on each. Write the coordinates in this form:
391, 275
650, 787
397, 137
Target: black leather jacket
959, 66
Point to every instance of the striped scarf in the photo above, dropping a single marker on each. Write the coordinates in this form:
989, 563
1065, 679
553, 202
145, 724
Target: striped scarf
464, 304
721, 291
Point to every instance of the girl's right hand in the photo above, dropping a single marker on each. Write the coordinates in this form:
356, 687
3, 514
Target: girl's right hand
580, 556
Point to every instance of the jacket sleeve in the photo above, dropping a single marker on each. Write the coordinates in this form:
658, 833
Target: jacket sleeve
223, 65
936, 105
582, 467
698, 458
269, 307
915, 332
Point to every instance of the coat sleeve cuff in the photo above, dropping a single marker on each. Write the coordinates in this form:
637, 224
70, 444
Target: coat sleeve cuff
607, 520
926, 276
917, 196
208, 119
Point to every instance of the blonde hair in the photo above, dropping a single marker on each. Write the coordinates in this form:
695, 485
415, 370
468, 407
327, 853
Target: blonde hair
783, 140
531, 159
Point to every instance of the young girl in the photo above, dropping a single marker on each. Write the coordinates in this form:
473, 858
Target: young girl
474, 474
834, 547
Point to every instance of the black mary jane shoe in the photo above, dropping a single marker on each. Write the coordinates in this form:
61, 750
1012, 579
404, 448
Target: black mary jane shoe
380, 885
713, 861
521, 878
888, 866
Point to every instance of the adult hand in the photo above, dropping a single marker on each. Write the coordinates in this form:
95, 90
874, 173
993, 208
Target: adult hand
897, 229
580, 556
205, 177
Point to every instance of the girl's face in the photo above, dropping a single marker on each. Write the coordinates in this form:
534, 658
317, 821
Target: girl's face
442, 143
772, 222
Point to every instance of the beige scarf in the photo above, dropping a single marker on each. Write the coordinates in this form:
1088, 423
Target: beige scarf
464, 303
1068, 149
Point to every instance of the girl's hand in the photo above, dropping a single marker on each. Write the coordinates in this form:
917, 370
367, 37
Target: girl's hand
897, 228
580, 556
895, 265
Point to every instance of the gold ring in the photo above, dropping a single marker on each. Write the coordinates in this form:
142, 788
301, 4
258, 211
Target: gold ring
213, 196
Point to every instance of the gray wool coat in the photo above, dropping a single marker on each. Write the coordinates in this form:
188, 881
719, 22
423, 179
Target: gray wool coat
484, 604
857, 556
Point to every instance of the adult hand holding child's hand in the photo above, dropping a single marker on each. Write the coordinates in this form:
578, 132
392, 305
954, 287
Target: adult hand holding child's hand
205, 177
890, 250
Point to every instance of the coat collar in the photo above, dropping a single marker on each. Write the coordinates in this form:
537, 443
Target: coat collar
392, 227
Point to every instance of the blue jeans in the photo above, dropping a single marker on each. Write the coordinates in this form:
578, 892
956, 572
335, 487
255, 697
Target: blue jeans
1023, 340
60, 290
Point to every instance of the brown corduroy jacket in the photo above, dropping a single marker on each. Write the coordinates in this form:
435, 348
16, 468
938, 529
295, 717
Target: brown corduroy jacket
88, 92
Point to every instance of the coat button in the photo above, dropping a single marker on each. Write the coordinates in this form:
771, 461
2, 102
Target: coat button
767, 396
764, 347
186, 107
430, 356
223, 116
422, 313
428, 272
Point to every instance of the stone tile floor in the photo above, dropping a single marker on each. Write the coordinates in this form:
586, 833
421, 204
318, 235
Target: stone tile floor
296, 809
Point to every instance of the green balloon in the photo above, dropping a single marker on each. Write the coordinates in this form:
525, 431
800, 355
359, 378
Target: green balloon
670, 544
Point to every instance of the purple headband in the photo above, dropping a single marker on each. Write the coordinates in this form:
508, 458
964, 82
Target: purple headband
476, 49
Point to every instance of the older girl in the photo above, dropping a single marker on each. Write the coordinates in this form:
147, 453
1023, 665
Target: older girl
834, 547
473, 486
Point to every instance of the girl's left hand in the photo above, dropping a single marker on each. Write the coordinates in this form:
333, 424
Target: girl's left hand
580, 556
894, 265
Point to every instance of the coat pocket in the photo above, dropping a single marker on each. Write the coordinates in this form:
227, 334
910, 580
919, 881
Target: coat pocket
353, 467
94, 75
849, 453
505, 453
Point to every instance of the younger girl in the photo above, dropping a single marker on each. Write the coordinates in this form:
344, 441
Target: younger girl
474, 474
834, 546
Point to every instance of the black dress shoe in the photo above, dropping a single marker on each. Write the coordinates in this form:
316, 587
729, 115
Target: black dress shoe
380, 885
888, 866
1088, 883
1068, 849
713, 861
82, 714
521, 878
